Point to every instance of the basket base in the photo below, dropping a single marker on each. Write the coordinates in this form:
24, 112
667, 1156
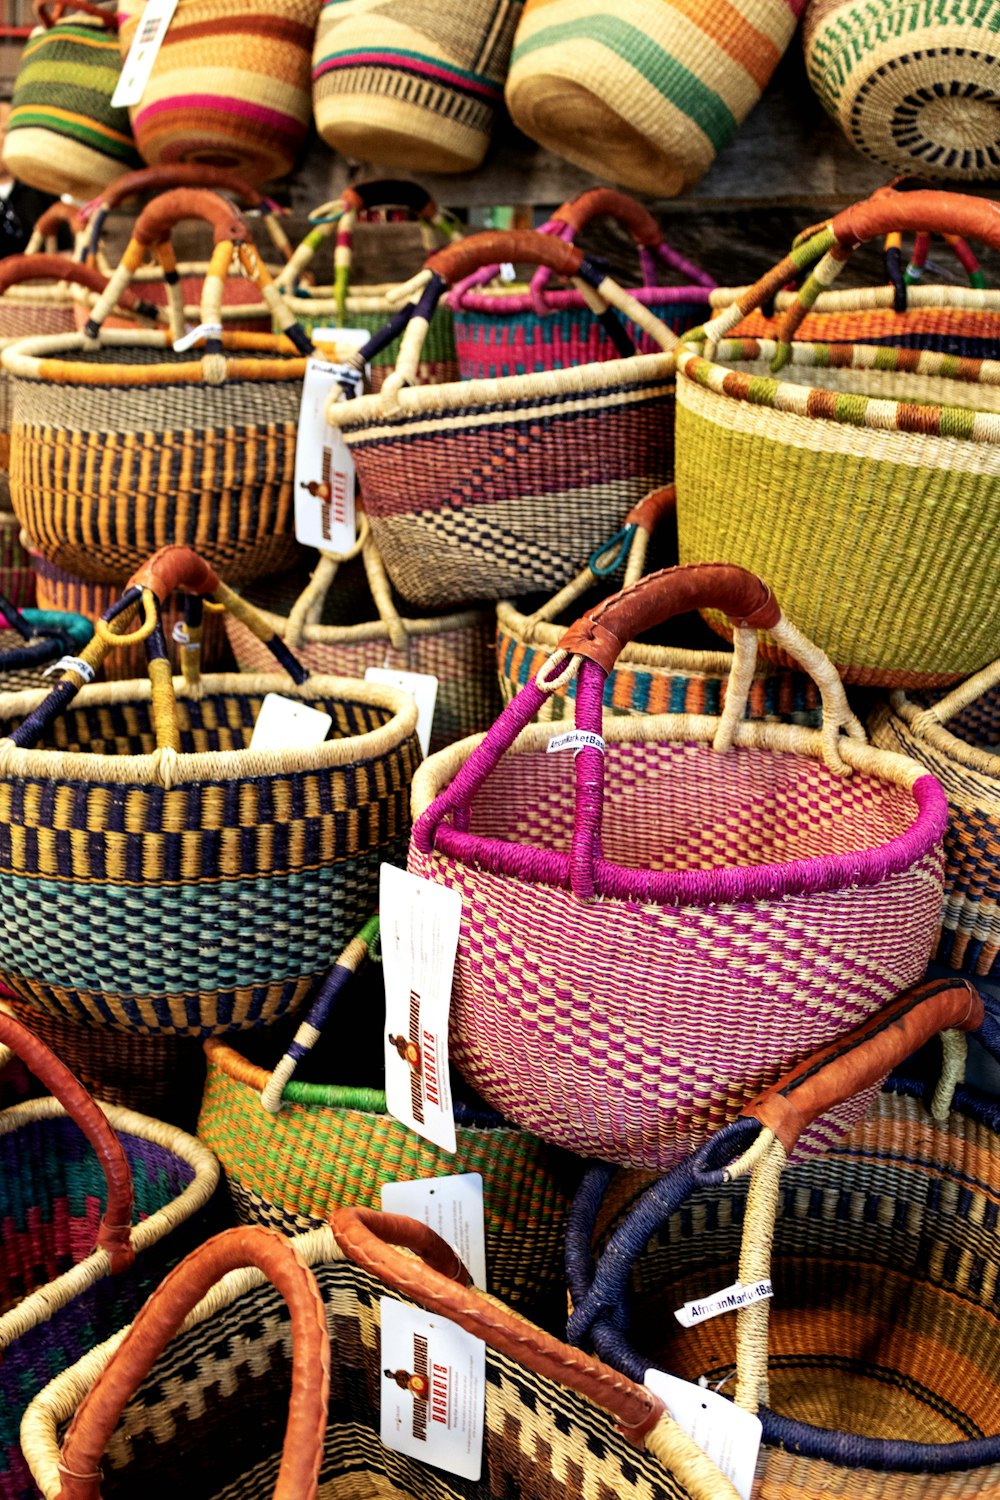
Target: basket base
401, 138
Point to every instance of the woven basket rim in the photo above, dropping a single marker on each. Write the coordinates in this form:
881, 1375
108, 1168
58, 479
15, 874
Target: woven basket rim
560, 299
941, 738
869, 298
31, 358
220, 1053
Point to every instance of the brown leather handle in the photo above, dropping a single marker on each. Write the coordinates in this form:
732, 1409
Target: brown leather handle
17, 269
865, 1055
369, 1238
175, 567
115, 1232
43, 8
608, 203
158, 218
56, 214
98, 1413
602, 633
179, 175
924, 210
497, 246
390, 192
650, 510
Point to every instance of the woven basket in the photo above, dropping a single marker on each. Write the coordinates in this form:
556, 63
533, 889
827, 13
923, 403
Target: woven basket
863, 483
340, 305
647, 679
410, 85
488, 489
213, 884
17, 581
912, 86
510, 329
956, 738
32, 643
96, 1204
219, 1400
63, 134
797, 897
229, 87
644, 93
120, 444
874, 1368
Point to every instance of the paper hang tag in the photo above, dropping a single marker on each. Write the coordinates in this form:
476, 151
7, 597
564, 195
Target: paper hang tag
197, 335
420, 928
725, 1433
433, 1381
146, 43
337, 343
324, 468
422, 688
507, 271
70, 664
287, 724
453, 1208
730, 1299
575, 740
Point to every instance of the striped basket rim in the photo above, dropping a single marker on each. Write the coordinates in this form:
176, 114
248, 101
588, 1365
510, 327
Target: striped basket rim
907, 713
32, 359
868, 298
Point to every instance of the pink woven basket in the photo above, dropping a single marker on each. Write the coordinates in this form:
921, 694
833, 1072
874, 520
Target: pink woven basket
658, 926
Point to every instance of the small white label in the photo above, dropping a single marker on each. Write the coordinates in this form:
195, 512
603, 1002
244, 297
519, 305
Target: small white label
433, 1389
725, 1433
146, 43
422, 688
575, 740
420, 928
70, 664
730, 1299
179, 633
287, 724
324, 468
338, 343
197, 335
453, 1208
507, 271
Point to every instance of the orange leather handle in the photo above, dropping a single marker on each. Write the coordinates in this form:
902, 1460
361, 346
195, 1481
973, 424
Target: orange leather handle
650, 510
924, 210
608, 203
602, 633
158, 218
98, 1413
179, 175
17, 269
57, 213
369, 1238
51, 11
115, 1233
864, 1056
497, 246
175, 567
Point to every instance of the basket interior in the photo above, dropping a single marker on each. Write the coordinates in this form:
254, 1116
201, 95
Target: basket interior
978, 724
348, 600
887, 385
162, 355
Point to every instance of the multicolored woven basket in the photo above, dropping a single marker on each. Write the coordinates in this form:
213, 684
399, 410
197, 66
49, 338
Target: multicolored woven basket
32, 643
762, 888
867, 477
17, 581
873, 1368
488, 489
214, 883
96, 1204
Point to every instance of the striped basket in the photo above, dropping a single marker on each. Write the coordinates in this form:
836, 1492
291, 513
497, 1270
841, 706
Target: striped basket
753, 904
229, 87
17, 580
32, 643
489, 489
511, 329
63, 134
209, 885
216, 1403
957, 738
411, 84
911, 85
822, 479
874, 1367
96, 1204
645, 93
344, 1146
662, 679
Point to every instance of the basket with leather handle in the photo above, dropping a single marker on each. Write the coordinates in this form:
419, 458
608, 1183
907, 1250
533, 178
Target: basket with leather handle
43, 305
790, 875
511, 329
873, 1368
96, 1203
486, 489
297, 1418
215, 883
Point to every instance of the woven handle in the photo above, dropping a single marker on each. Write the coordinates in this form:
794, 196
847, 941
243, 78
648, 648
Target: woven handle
47, 225
51, 11
115, 1233
959, 698
499, 245
176, 175
159, 1320
390, 192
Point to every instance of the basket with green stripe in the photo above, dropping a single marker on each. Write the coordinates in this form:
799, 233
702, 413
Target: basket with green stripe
863, 482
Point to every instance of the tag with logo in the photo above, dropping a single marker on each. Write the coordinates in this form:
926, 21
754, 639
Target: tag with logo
422, 688
420, 927
453, 1208
287, 724
324, 468
725, 1433
433, 1389
146, 43
575, 740
730, 1299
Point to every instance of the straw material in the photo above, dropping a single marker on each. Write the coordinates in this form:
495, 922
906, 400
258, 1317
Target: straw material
409, 82
646, 92
369, 308
17, 580
26, 310
911, 85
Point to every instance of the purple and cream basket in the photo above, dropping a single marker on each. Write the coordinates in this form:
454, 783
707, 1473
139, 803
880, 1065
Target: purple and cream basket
660, 920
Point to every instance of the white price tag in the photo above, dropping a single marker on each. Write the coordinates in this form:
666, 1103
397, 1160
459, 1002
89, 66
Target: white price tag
338, 343
146, 43
324, 468
287, 724
422, 688
433, 1389
507, 271
575, 739
453, 1208
197, 336
420, 927
725, 1433
730, 1299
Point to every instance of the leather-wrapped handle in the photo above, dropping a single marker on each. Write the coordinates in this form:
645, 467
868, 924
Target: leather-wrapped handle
17, 269
648, 512
156, 1324
390, 192
369, 1238
497, 246
865, 1055
609, 203
55, 215
601, 634
115, 1233
179, 175
922, 210
175, 567
158, 218
44, 8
